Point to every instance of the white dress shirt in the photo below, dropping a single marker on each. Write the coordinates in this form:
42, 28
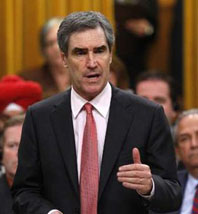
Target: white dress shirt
101, 104
189, 193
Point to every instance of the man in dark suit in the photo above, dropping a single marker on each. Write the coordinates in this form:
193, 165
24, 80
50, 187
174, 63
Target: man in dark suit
132, 164
10, 143
186, 142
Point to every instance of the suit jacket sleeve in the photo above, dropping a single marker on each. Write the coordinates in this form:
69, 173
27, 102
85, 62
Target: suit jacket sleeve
27, 189
162, 161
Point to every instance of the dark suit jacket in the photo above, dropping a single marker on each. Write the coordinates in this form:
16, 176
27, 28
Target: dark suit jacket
5, 197
46, 177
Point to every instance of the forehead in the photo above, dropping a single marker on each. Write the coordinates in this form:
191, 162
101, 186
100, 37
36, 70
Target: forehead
52, 32
153, 88
13, 132
88, 38
189, 123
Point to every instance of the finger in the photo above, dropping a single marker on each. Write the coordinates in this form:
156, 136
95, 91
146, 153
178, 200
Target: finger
141, 181
134, 174
136, 156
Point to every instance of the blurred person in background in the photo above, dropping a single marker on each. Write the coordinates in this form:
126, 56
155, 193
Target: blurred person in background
16, 95
160, 88
186, 145
136, 28
118, 74
10, 144
52, 75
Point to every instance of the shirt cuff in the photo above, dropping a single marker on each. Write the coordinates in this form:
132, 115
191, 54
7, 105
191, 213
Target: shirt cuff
51, 211
148, 197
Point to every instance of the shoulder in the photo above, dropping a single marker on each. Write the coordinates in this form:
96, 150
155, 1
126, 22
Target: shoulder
182, 175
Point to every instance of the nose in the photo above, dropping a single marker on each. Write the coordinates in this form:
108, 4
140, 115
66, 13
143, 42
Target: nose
194, 142
91, 61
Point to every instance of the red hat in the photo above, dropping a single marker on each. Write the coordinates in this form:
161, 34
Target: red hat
13, 89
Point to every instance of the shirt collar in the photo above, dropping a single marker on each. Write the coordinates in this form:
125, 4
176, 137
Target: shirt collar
193, 181
101, 102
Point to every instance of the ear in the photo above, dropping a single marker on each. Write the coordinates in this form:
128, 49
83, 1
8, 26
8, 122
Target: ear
64, 58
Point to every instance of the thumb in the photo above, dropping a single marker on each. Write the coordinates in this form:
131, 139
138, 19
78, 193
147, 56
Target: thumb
136, 156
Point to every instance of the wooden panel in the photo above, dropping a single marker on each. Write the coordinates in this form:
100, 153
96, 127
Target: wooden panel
9, 36
34, 17
3, 39
55, 8
18, 35
190, 54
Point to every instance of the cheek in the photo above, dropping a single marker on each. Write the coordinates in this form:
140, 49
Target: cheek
183, 154
9, 157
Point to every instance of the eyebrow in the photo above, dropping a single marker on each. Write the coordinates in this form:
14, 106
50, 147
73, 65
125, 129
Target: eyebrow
76, 49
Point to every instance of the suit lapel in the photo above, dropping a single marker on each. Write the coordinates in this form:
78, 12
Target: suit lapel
118, 125
63, 128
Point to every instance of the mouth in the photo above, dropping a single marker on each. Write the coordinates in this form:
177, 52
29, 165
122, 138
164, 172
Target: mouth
93, 76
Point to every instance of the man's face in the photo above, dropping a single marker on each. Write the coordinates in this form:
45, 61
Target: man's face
51, 51
12, 137
187, 141
159, 92
88, 62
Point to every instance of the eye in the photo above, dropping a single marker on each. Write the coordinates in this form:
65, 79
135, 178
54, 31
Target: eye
101, 49
79, 51
183, 139
13, 146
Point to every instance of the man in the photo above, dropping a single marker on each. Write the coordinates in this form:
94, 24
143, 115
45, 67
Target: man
126, 170
186, 142
10, 143
52, 75
158, 87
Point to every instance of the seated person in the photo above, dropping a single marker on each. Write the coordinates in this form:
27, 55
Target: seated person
186, 144
52, 75
10, 144
16, 95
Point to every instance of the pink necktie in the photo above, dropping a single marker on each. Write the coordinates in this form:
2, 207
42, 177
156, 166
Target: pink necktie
89, 176
195, 202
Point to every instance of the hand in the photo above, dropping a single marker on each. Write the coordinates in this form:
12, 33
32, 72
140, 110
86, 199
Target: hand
139, 27
136, 176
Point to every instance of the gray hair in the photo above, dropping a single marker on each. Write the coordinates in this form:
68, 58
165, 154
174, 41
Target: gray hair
80, 21
45, 29
180, 117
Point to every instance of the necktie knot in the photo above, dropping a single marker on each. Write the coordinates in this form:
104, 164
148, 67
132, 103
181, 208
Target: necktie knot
88, 108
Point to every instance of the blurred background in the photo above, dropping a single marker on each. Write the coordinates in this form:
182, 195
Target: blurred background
173, 50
